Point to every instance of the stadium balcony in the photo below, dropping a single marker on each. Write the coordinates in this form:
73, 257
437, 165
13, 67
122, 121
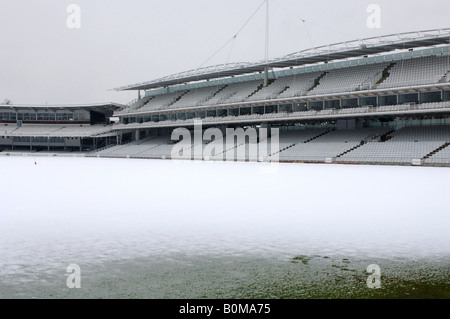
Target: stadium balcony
366, 111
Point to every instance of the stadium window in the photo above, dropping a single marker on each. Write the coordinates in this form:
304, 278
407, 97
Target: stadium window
408, 98
316, 105
211, 113
270, 109
300, 107
430, 97
258, 110
233, 112
222, 112
173, 117
349, 103
388, 100
286, 108
332, 104
368, 101
200, 114
245, 111
446, 95
190, 115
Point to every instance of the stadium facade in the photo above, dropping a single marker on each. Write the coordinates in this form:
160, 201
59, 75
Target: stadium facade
383, 100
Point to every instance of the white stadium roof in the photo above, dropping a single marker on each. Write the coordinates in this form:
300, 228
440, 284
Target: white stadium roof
343, 50
98, 107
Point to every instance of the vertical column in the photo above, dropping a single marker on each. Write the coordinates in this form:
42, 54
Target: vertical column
267, 127
266, 53
266, 76
198, 139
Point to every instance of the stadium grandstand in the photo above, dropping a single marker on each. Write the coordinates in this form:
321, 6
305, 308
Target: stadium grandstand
66, 128
382, 100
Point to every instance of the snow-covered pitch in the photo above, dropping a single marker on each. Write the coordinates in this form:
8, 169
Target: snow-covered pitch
59, 211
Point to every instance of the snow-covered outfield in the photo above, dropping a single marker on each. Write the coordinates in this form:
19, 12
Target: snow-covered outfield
58, 211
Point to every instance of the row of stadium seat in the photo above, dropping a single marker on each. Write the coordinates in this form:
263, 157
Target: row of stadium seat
331, 144
346, 146
390, 152
403, 146
441, 157
54, 130
419, 71
350, 79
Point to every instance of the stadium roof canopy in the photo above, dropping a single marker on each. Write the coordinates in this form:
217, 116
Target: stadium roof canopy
99, 107
343, 50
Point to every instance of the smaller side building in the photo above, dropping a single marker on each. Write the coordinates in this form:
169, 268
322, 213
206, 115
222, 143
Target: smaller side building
57, 128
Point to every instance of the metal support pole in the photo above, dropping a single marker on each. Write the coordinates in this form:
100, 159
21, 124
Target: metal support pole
266, 76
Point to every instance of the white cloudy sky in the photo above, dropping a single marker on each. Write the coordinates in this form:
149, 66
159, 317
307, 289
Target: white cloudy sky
122, 42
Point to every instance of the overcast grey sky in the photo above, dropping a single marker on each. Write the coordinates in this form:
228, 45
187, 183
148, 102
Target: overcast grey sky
123, 42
